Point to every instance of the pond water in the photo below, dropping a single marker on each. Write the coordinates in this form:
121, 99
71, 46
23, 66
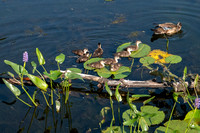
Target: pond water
64, 25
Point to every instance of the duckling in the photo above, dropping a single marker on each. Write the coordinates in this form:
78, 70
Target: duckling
135, 47
83, 58
98, 52
80, 52
167, 28
109, 61
126, 53
98, 65
115, 66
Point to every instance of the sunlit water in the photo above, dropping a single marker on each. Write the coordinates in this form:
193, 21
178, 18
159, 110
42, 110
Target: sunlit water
61, 26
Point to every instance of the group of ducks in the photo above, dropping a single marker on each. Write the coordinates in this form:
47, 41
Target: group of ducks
165, 28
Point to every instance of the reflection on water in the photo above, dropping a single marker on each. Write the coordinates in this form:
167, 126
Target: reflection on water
62, 26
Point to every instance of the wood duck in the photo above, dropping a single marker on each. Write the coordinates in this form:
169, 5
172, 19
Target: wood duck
135, 47
83, 58
98, 52
115, 66
167, 28
124, 53
80, 52
109, 61
98, 65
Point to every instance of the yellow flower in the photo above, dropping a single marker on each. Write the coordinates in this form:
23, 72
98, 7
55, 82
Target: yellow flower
159, 55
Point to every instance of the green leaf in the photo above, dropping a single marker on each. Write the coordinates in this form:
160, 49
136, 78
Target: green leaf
184, 73
108, 89
91, 61
175, 96
121, 76
130, 122
123, 46
116, 129
103, 72
148, 100
129, 115
152, 115
60, 58
117, 94
143, 50
53, 74
40, 57
72, 75
38, 82
34, 65
143, 124
138, 96
173, 59
17, 68
11, 74
147, 60
12, 88
75, 70
122, 72
195, 115
104, 111
196, 81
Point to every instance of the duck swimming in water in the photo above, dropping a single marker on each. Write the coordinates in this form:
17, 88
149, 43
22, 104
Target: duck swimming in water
167, 28
134, 47
109, 61
115, 66
98, 52
80, 52
83, 58
124, 53
98, 65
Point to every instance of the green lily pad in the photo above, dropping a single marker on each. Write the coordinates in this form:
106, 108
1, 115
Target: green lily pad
195, 115
103, 72
143, 50
147, 60
123, 46
173, 59
91, 61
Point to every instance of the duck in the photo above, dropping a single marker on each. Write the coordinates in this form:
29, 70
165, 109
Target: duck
167, 28
125, 53
115, 66
98, 52
83, 58
135, 47
80, 52
97, 65
109, 61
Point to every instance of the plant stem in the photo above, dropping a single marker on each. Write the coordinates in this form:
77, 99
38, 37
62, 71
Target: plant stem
23, 101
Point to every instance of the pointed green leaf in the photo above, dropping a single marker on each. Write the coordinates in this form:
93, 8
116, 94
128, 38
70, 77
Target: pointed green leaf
108, 89
60, 58
173, 59
117, 94
144, 124
196, 81
38, 82
40, 57
72, 75
184, 73
12, 88
75, 70
143, 50
34, 65
17, 68
148, 100
53, 74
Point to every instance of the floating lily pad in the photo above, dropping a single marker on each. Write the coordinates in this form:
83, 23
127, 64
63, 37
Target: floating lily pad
173, 59
143, 50
147, 60
123, 46
103, 72
91, 61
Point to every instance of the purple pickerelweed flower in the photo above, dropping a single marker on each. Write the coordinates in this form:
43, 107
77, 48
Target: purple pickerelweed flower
197, 102
25, 56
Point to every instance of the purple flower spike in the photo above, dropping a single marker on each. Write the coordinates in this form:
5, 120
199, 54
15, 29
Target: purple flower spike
197, 102
25, 56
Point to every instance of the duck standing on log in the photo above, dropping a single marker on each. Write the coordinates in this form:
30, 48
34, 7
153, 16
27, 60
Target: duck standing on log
109, 61
80, 52
125, 53
97, 65
167, 28
98, 52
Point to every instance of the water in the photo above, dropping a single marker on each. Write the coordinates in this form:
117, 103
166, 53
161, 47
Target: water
61, 26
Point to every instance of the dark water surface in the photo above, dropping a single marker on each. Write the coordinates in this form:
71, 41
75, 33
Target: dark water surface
63, 25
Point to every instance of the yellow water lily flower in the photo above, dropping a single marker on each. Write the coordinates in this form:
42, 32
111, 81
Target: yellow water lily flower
159, 55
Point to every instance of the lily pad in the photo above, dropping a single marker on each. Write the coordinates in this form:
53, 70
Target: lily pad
123, 46
143, 50
173, 59
147, 60
103, 72
91, 61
